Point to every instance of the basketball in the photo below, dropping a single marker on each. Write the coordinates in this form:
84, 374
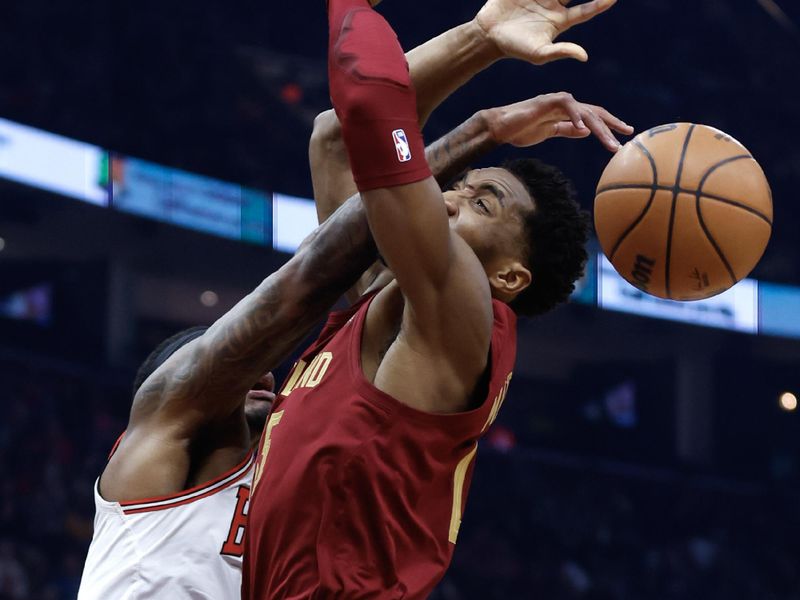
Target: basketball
683, 211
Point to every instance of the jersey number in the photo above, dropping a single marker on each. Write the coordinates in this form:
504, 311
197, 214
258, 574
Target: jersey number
463, 465
274, 419
458, 493
234, 545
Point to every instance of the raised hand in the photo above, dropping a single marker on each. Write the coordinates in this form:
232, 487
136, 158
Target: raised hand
526, 29
553, 115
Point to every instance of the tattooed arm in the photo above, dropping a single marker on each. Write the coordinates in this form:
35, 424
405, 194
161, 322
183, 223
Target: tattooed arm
192, 405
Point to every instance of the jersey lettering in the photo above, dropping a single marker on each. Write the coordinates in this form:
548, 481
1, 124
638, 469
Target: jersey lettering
458, 493
234, 545
497, 403
274, 419
293, 377
308, 376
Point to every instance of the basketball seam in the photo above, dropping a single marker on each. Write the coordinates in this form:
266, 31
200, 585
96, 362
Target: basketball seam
653, 189
667, 188
710, 237
716, 166
675, 193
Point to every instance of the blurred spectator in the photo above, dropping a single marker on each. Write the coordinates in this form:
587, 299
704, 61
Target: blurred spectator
13, 578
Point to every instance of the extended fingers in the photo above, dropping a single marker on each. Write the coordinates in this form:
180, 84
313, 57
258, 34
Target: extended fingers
613, 122
600, 129
568, 129
588, 10
573, 109
577, 119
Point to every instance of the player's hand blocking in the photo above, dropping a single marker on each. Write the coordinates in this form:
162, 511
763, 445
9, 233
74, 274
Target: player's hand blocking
553, 115
526, 29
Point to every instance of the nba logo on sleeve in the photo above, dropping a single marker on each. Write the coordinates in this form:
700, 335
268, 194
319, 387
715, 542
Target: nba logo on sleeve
401, 145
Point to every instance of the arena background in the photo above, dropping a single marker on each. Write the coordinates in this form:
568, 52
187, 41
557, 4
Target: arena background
637, 457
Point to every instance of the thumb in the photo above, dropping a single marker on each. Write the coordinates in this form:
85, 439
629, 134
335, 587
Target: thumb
559, 51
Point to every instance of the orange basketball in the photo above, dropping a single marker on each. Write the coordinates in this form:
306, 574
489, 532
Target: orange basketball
683, 211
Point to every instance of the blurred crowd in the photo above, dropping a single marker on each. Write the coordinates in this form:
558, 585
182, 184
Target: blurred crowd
57, 427
544, 526
562, 529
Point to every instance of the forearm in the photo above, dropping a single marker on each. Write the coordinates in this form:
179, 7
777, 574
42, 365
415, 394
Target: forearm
448, 156
442, 65
260, 332
331, 178
438, 68
211, 375
453, 153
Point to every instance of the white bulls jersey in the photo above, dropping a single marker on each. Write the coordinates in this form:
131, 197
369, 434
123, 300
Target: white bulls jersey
188, 545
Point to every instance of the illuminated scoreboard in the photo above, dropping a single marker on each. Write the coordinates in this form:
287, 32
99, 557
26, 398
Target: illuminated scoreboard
84, 172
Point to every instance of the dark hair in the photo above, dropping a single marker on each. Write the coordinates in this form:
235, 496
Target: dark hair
163, 351
556, 231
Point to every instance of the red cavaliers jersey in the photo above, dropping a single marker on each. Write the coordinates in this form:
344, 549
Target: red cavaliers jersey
357, 495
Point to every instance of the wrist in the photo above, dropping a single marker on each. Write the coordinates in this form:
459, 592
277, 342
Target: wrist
480, 43
489, 120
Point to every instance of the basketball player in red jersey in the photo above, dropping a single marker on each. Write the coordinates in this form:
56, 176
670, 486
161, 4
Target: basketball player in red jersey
367, 457
172, 502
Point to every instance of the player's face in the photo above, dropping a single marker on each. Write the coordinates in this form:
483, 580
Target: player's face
486, 209
258, 403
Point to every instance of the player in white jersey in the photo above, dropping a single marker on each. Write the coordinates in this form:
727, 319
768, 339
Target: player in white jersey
171, 502
186, 545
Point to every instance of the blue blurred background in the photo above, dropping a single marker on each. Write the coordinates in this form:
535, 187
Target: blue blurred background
646, 451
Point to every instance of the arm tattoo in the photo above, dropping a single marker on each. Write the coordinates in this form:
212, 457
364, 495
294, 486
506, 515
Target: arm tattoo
213, 375
266, 326
453, 153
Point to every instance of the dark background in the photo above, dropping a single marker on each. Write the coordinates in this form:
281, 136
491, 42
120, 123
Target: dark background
633, 458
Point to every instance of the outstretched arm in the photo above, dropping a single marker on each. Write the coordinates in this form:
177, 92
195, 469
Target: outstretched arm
210, 376
198, 393
522, 29
448, 315
521, 124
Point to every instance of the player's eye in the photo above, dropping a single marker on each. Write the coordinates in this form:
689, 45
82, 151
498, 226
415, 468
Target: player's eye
481, 204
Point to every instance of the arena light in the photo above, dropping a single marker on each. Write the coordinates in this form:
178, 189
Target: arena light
294, 218
54, 163
788, 401
209, 298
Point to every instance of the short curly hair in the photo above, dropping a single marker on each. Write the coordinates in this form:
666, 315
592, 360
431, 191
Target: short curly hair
163, 351
556, 231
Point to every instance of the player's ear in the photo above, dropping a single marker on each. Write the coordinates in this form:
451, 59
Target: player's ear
510, 280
